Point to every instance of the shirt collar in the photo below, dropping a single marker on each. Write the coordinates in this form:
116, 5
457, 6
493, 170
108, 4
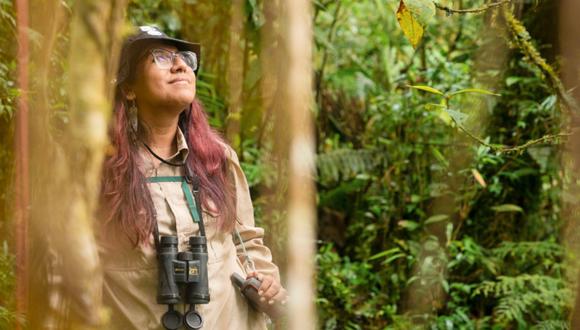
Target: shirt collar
182, 149
150, 166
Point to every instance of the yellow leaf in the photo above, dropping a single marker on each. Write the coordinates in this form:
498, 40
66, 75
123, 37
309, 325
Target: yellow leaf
478, 177
410, 26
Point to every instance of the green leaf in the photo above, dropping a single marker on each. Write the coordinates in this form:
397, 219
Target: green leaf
415, 198
458, 117
507, 208
541, 155
422, 10
427, 89
445, 285
440, 156
408, 224
385, 253
473, 90
393, 258
434, 106
256, 14
436, 218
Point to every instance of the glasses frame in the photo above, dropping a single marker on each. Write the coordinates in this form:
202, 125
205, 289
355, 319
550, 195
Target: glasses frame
155, 53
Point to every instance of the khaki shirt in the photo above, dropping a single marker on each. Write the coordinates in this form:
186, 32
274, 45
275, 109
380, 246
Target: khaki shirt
130, 274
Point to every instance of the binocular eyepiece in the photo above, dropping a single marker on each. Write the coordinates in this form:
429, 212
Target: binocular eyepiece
183, 278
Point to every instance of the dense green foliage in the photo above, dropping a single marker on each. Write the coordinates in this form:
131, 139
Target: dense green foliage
7, 315
419, 224
422, 240
8, 93
425, 242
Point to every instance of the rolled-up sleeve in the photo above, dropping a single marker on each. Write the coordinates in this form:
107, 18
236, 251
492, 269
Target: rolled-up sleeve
251, 235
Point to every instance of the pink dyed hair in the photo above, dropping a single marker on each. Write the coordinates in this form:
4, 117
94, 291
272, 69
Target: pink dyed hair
125, 200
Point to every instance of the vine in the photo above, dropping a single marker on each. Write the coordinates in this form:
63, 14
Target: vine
522, 38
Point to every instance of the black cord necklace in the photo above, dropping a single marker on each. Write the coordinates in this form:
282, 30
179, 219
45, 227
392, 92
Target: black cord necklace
161, 159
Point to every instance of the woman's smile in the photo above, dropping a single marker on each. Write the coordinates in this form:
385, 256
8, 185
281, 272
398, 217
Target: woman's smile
180, 81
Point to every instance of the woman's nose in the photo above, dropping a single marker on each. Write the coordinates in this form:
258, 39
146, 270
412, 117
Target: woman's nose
179, 65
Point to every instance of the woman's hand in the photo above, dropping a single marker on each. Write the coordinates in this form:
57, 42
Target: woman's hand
270, 290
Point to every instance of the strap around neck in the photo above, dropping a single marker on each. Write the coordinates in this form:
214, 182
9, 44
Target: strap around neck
193, 202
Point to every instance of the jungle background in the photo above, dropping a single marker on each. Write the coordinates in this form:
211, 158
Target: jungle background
442, 185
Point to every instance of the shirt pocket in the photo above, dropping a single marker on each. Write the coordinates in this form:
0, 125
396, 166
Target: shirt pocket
183, 219
220, 247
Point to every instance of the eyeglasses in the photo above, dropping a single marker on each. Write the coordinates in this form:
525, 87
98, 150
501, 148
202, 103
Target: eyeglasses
165, 58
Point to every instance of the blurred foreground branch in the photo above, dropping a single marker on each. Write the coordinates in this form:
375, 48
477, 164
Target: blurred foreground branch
297, 102
67, 174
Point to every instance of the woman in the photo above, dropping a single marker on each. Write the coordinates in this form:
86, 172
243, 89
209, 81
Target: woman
159, 130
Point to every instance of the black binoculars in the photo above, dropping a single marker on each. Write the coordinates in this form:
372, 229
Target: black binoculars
182, 279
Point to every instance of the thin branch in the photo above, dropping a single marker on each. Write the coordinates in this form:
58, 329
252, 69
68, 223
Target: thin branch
476, 138
459, 34
500, 147
478, 10
508, 149
545, 138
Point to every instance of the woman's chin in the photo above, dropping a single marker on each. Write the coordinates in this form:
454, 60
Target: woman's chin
184, 101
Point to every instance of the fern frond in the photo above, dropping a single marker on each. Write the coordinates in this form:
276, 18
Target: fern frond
551, 325
347, 163
527, 295
528, 250
514, 307
507, 285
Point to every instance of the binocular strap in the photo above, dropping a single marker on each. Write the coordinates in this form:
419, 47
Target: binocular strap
191, 196
247, 258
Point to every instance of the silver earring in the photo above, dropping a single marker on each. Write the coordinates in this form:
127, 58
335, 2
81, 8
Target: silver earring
133, 119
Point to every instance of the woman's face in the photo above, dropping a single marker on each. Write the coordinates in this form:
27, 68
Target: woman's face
162, 91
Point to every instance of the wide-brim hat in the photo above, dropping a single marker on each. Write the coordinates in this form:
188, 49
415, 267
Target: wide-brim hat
135, 43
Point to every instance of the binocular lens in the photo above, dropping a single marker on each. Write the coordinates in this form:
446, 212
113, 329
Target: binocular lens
171, 320
193, 320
